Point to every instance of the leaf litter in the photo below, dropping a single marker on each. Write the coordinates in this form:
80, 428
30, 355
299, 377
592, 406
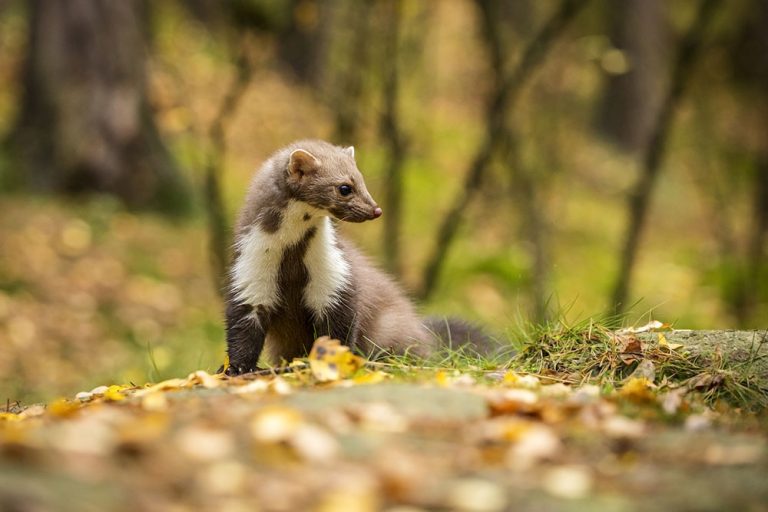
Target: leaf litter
236, 443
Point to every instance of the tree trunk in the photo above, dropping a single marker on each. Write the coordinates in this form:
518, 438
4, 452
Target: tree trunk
392, 137
640, 196
85, 123
631, 98
506, 92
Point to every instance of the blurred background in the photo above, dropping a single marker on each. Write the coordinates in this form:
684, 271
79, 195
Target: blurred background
536, 161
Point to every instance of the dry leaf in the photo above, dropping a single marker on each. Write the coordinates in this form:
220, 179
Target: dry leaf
637, 389
513, 401
62, 407
664, 343
621, 427
204, 379
630, 349
645, 370
650, 326
534, 444
329, 360
570, 482
204, 444
371, 377
476, 495
672, 401
275, 423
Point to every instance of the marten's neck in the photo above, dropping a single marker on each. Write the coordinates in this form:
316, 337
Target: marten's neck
261, 258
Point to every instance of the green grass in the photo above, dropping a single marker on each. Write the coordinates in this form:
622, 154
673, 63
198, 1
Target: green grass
590, 351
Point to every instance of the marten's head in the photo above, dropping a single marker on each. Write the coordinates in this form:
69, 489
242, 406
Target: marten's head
328, 179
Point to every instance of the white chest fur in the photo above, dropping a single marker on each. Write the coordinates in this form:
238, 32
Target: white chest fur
255, 273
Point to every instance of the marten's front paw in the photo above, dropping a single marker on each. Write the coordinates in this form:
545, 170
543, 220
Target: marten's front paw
234, 370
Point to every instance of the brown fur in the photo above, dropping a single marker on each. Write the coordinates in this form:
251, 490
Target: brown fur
372, 314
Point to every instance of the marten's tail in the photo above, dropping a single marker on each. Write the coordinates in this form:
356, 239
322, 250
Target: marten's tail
456, 333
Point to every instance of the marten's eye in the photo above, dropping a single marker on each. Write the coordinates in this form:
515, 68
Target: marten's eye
345, 190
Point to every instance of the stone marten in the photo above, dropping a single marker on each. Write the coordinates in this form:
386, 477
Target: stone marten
294, 279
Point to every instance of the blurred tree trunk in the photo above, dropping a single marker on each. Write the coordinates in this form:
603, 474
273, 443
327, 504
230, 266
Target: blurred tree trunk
348, 88
631, 97
497, 24
85, 123
506, 92
749, 58
392, 136
301, 42
653, 155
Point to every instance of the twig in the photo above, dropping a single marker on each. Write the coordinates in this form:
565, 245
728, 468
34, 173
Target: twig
506, 93
640, 197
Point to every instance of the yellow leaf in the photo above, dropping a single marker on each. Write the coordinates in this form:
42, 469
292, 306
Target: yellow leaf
441, 378
204, 379
664, 343
62, 407
371, 377
510, 378
638, 389
9, 416
154, 401
275, 423
329, 360
226, 363
162, 386
114, 393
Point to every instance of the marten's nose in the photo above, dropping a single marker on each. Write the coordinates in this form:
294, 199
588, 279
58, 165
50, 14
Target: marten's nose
377, 212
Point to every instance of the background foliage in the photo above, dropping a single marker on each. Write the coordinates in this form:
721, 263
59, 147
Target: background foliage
105, 279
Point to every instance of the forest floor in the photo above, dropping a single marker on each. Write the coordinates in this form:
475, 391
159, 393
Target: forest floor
341, 434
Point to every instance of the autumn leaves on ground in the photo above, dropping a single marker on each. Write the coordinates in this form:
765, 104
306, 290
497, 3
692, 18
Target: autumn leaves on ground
337, 433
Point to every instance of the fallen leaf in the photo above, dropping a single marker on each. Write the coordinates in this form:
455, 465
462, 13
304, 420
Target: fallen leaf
204, 379
697, 422
637, 389
114, 393
516, 380
664, 343
155, 401
476, 495
314, 444
621, 427
379, 416
630, 349
329, 360
645, 370
650, 326
273, 424
535, 444
62, 407
371, 377
513, 401
205, 444
672, 401
571, 482
738, 455
705, 381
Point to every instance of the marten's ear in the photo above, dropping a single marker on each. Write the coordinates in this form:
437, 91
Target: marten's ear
302, 162
350, 150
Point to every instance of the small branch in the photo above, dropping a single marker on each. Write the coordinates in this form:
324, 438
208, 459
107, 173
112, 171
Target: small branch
505, 95
640, 196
